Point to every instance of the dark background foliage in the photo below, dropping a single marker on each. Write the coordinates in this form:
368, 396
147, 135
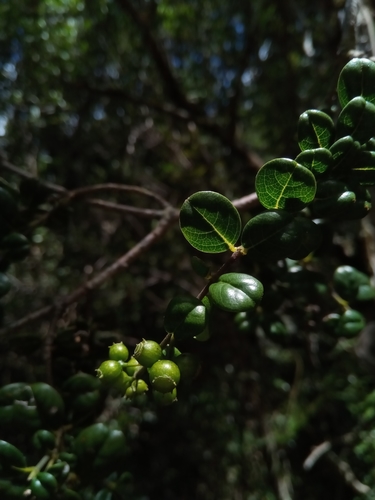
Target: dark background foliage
178, 97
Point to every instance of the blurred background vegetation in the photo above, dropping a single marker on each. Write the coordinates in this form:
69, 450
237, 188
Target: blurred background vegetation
177, 97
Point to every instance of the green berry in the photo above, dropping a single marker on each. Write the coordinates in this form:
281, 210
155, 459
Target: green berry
132, 366
165, 399
118, 352
137, 387
109, 370
164, 375
147, 352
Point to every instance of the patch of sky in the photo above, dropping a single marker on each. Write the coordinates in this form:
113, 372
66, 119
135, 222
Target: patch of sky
112, 71
264, 50
248, 76
3, 125
176, 61
98, 112
9, 71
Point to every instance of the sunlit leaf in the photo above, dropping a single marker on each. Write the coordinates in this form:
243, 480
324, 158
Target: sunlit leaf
357, 78
317, 160
357, 119
315, 130
210, 222
284, 184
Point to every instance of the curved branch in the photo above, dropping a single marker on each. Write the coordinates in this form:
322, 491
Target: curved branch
127, 209
118, 266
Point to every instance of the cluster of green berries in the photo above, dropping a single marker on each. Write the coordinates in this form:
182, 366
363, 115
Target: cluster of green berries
163, 368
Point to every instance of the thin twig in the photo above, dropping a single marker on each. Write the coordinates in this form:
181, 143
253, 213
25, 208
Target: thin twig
127, 209
317, 454
348, 474
80, 192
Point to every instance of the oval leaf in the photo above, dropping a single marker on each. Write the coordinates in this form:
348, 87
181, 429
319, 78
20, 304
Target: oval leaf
236, 292
357, 78
185, 317
284, 184
309, 240
357, 119
210, 222
363, 169
343, 152
317, 160
270, 236
315, 130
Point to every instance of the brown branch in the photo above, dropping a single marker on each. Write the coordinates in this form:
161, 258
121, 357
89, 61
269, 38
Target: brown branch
118, 266
26, 175
125, 209
77, 193
170, 218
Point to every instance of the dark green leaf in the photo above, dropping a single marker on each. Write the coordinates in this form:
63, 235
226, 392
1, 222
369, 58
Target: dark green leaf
270, 236
363, 168
317, 160
357, 119
210, 222
315, 130
185, 317
284, 184
236, 292
343, 153
309, 240
357, 78
347, 281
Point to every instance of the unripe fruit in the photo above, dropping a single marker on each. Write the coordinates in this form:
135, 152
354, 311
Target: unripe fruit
122, 382
165, 399
164, 375
132, 366
137, 387
147, 352
109, 370
189, 366
118, 352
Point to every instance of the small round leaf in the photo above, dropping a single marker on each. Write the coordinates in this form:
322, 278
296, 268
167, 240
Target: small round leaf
185, 317
210, 222
236, 292
317, 160
283, 184
315, 130
357, 78
357, 119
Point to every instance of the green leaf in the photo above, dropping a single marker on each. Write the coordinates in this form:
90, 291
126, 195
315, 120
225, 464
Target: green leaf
357, 78
315, 130
350, 323
185, 317
270, 235
357, 119
363, 168
336, 199
236, 292
210, 222
317, 160
347, 281
343, 153
284, 184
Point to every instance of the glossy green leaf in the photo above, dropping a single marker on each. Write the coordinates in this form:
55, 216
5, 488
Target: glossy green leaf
210, 222
315, 130
185, 317
317, 160
357, 119
336, 199
270, 235
357, 78
350, 323
343, 153
347, 282
283, 184
236, 292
